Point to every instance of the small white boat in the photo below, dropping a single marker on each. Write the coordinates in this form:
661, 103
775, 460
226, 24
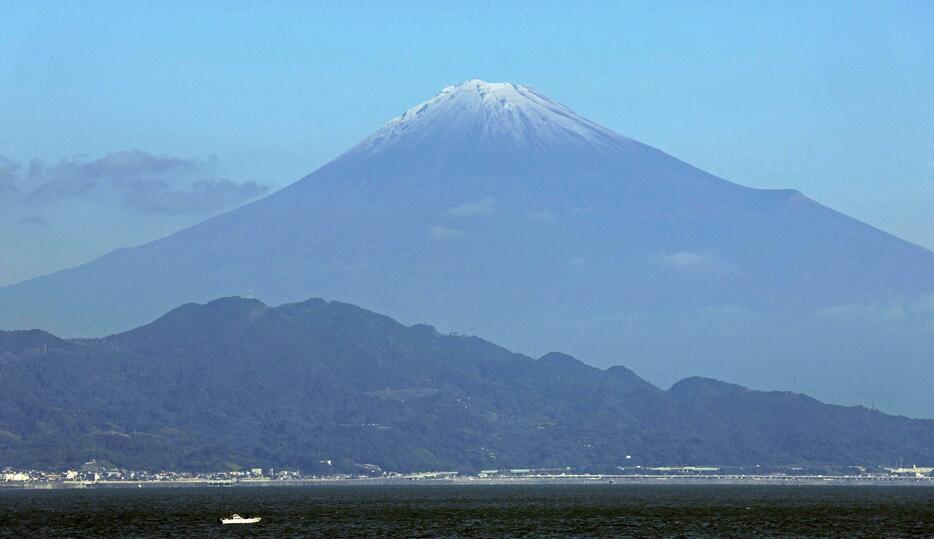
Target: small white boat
237, 519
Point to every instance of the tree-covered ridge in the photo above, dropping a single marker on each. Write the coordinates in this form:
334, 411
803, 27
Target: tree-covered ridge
237, 383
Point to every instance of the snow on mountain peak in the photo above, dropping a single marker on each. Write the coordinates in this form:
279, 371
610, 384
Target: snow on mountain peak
499, 113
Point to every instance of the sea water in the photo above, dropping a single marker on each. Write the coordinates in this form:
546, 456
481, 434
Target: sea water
475, 511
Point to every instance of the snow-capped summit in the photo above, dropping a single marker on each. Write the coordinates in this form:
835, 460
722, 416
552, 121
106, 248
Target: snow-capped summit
491, 209
476, 112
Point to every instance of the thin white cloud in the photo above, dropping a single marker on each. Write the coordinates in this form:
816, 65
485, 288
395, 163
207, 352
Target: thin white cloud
926, 303
481, 207
445, 233
33, 220
908, 311
543, 215
8, 176
698, 262
875, 312
722, 310
202, 196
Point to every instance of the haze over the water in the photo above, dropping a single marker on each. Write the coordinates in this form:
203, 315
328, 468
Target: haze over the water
147, 120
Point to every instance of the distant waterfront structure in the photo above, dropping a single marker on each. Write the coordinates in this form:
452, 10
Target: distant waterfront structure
914, 471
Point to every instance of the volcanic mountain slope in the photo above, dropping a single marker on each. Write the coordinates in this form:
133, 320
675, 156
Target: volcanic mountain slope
493, 209
237, 383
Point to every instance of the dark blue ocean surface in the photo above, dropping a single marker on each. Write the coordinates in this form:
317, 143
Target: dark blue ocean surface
475, 511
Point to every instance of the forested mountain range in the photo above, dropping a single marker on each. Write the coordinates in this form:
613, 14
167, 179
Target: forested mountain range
236, 383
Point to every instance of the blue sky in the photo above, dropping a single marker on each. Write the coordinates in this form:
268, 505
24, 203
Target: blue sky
163, 113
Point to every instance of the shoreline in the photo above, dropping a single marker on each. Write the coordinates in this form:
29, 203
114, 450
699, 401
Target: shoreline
766, 480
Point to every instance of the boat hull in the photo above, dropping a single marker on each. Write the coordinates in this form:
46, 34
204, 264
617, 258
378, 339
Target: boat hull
240, 520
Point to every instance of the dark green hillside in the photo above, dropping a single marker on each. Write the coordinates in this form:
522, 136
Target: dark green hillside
237, 383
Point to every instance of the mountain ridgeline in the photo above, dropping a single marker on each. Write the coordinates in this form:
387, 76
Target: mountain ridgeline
494, 210
236, 383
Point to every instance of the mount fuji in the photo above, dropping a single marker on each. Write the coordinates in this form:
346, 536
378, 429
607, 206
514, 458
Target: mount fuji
492, 209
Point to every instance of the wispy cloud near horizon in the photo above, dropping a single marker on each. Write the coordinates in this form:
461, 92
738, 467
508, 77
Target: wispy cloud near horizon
62, 213
136, 180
